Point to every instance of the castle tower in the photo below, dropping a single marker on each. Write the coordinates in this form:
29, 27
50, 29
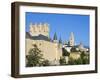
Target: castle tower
46, 29
39, 29
71, 39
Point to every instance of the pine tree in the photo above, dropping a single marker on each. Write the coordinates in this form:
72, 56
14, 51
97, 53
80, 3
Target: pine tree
34, 58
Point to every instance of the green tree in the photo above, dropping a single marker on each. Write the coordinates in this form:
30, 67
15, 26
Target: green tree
79, 61
35, 57
73, 49
45, 63
62, 61
75, 62
86, 61
84, 57
71, 61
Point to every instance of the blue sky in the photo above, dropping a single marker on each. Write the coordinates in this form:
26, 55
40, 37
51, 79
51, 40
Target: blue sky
63, 25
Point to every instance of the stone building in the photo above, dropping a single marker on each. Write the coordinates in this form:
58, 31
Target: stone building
39, 34
37, 29
51, 49
71, 39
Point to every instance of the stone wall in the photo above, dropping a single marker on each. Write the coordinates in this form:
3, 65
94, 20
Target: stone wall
51, 51
37, 29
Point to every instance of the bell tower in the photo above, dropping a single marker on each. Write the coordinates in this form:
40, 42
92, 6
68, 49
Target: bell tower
71, 39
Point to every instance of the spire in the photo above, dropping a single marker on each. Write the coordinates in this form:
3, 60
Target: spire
60, 40
71, 35
55, 36
65, 42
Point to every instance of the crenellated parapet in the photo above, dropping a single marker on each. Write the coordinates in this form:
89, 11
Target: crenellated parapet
37, 29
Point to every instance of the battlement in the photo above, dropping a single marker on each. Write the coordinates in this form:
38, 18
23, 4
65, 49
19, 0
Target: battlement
37, 29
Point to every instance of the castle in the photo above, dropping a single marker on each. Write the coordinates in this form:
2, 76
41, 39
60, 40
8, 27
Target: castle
39, 34
51, 49
36, 29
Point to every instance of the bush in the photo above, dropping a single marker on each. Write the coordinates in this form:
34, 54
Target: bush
84, 59
45, 63
75, 62
62, 61
73, 49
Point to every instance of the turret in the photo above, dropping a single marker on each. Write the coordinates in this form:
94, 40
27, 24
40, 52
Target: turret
55, 38
37, 29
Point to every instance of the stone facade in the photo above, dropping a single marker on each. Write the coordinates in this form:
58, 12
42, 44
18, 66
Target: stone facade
37, 29
71, 39
51, 50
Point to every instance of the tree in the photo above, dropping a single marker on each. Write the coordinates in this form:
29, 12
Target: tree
71, 61
74, 62
35, 57
83, 54
85, 58
62, 61
73, 49
55, 36
45, 63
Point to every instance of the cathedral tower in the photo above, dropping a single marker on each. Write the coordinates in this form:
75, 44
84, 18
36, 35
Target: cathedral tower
71, 39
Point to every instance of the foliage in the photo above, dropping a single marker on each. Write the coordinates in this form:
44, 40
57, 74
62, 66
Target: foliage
62, 61
73, 49
75, 62
84, 59
35, 58
45, 63
71, 61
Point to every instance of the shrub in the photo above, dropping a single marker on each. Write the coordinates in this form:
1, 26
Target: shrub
62, 61
73, 49
45, 63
